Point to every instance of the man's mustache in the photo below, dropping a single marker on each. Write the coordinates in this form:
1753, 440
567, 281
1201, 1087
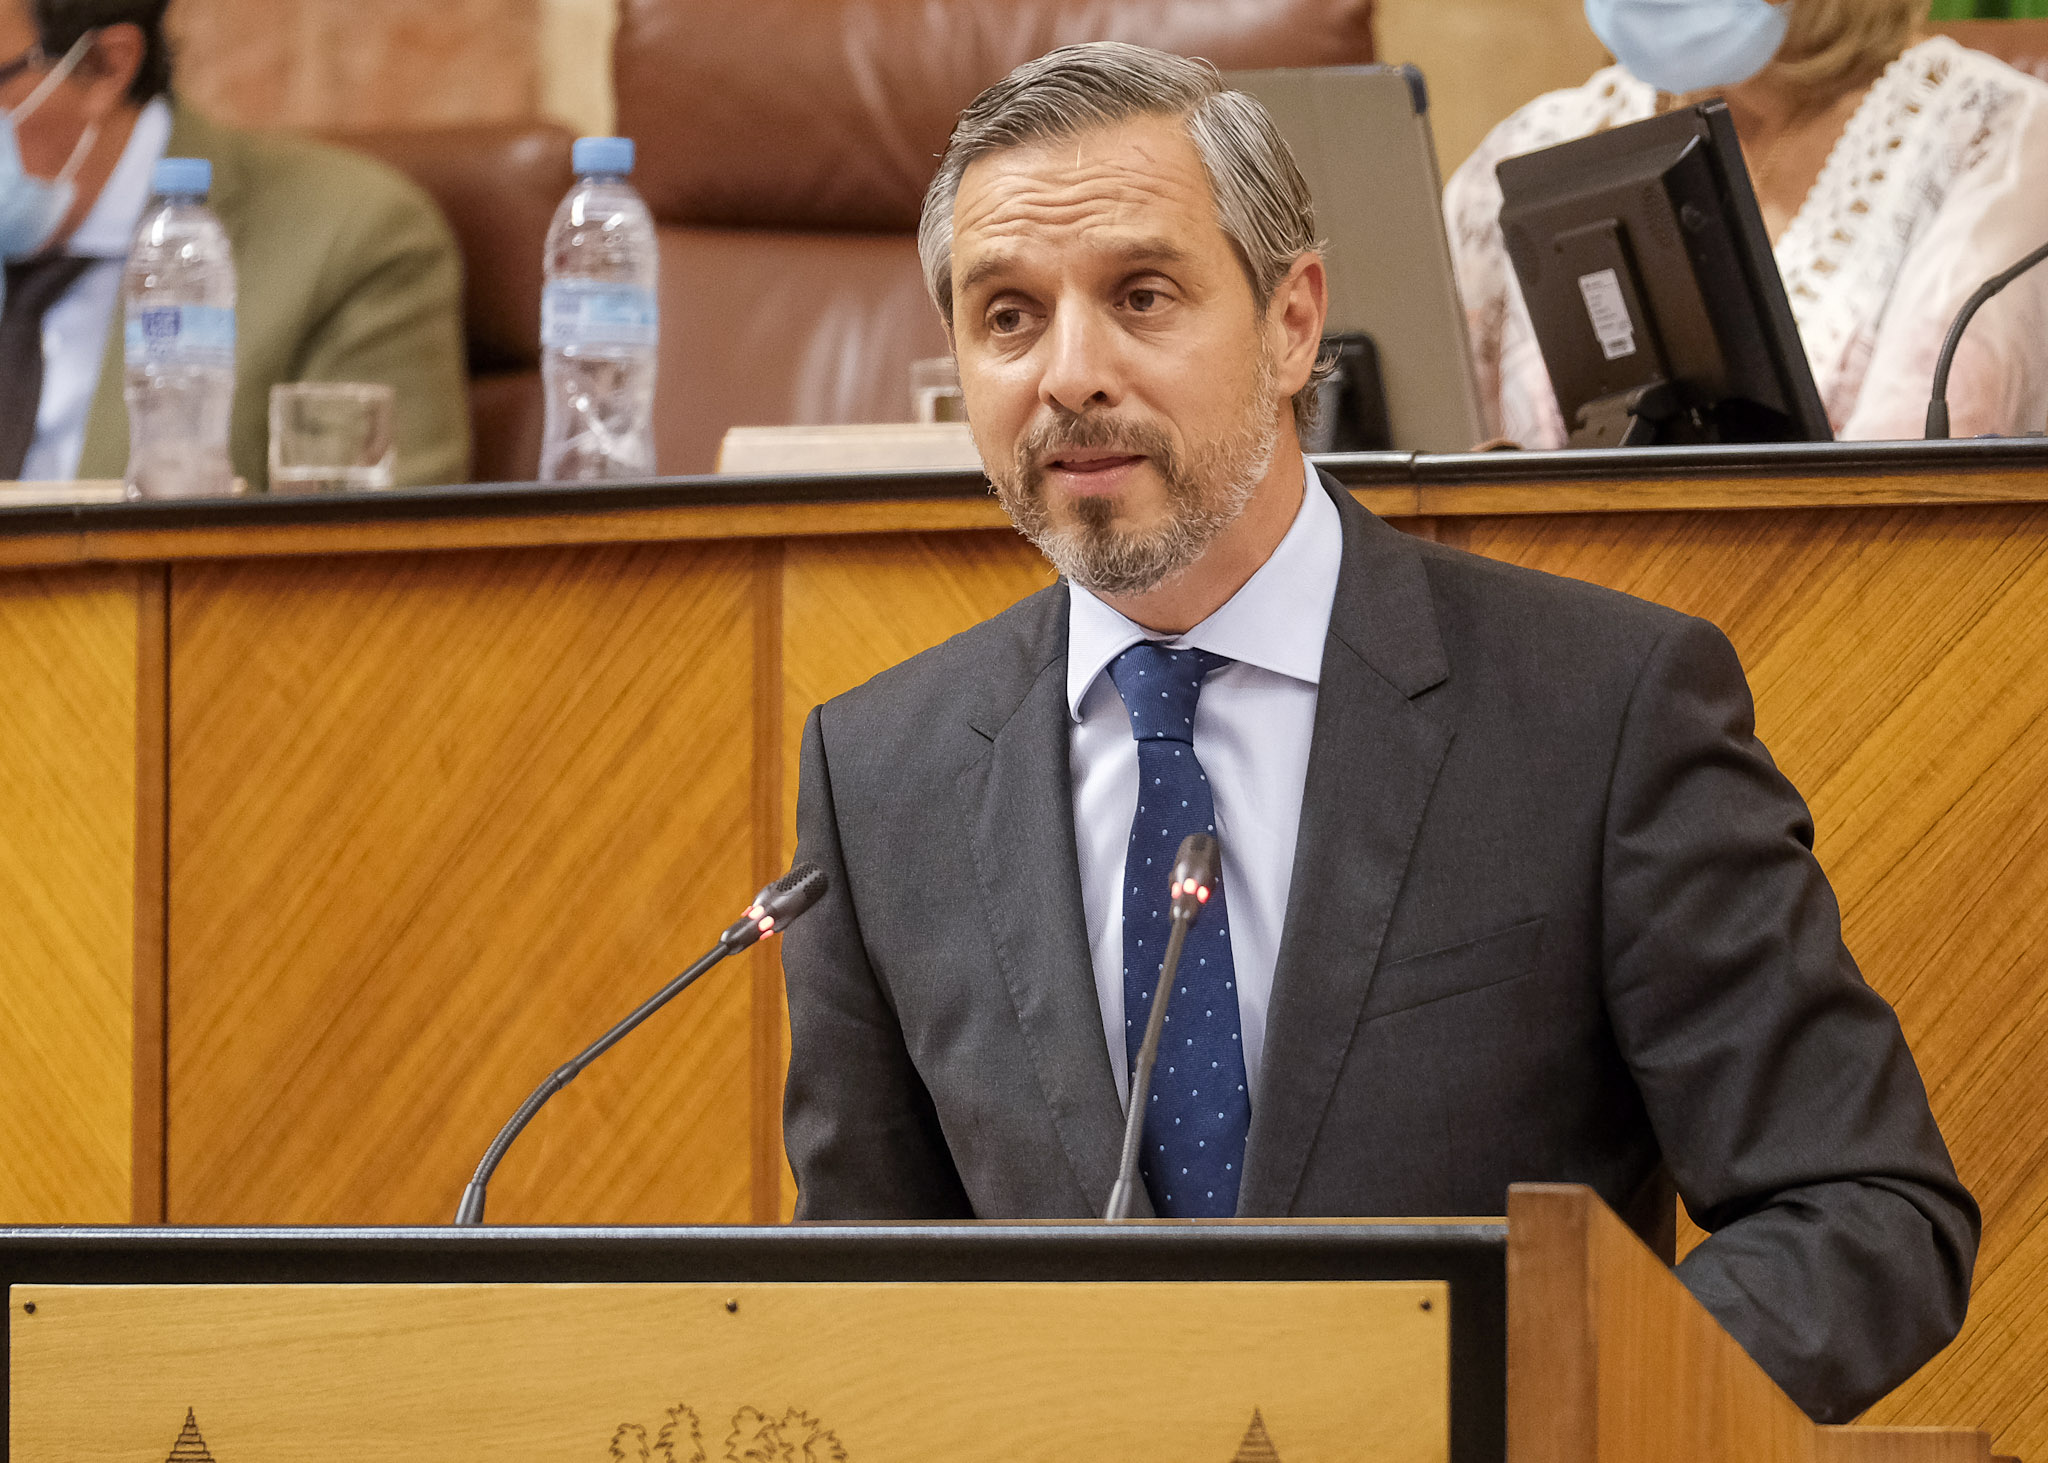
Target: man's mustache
1072, 432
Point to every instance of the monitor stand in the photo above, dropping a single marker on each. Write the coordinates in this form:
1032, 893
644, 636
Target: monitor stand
1629, 418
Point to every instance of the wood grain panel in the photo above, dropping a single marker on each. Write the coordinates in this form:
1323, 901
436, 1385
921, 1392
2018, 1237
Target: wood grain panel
152, 812
1352, 1370
768, 1059
1611, 1360
1609, 1357
67, 882
440, 820
1899, 682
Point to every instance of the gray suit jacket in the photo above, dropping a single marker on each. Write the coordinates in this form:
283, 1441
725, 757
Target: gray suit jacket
1555, 916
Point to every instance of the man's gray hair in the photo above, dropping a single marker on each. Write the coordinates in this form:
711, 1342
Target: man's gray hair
1262, 202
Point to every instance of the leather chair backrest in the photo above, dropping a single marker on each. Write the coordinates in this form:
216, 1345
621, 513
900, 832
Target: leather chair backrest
498, 186
831, 114
785, 146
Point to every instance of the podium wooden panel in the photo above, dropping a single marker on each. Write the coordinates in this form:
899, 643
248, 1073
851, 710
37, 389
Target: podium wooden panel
328, 826
1556, 1339
888, 1371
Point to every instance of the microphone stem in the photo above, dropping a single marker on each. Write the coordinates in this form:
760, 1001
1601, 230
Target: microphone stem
472, 1209
1121, 1197
1937, 407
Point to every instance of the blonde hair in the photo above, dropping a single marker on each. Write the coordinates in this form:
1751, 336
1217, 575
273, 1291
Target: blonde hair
1832, 42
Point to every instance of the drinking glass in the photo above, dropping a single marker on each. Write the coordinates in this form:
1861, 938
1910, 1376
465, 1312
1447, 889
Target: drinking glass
332, 437
935, 391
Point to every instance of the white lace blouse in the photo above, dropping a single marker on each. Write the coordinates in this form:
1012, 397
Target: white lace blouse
1939, 181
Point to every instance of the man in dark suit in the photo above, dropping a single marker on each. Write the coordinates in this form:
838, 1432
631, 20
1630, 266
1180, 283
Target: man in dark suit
1510, 892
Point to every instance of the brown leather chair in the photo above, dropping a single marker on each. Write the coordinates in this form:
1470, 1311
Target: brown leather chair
785, 146
2019, 43
498, 186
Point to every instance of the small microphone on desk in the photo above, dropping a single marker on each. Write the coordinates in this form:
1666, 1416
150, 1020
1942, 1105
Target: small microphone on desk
771, 912
1196, 870
1937, 406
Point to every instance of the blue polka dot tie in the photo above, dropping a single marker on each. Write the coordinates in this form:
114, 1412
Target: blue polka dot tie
1195, 1125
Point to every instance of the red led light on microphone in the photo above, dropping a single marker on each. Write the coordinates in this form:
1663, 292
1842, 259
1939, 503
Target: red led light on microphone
1189, 886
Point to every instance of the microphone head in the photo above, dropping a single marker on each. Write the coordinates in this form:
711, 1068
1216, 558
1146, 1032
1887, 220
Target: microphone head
1197, 870
778, 904
793, 893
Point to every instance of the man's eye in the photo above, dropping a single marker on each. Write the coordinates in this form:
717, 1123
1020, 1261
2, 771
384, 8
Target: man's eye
1142, 300
1005, 320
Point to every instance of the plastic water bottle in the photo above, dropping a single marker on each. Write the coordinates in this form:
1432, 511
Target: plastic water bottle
599, 325
178, 297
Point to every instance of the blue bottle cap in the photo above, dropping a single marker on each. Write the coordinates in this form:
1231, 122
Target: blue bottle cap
612, 155
182, 177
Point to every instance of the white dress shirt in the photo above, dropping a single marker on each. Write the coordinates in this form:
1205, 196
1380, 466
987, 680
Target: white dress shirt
75, 328
1253, 726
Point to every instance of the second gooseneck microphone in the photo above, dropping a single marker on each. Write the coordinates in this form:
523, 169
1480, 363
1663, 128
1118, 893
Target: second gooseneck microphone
1197, 869
1937, 406
770, 913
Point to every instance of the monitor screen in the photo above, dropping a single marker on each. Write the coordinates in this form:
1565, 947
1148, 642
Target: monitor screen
1652, 288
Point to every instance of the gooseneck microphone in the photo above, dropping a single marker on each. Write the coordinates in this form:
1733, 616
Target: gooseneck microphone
771, 912
1937, 406
1196, 870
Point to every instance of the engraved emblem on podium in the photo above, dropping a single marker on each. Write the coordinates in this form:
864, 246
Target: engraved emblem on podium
1257, 1446
190, 1447
753, 1437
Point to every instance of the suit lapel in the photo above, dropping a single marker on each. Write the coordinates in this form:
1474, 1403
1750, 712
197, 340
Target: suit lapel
1372, 764
1018, 804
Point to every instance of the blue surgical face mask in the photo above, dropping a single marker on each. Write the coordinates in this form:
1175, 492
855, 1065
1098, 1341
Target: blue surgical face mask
32, 208
1681, 46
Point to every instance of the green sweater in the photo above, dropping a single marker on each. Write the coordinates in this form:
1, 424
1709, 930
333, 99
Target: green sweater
346, 272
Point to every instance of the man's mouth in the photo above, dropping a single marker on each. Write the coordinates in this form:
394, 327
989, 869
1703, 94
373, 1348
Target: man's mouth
1092, 469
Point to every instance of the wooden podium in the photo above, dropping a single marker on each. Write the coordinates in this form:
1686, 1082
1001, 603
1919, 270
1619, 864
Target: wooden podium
1556, 1336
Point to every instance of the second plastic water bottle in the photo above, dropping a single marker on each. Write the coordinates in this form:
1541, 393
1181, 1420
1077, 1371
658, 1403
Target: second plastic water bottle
178, 298
599, 326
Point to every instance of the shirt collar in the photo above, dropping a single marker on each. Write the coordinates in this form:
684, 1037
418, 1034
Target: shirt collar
1277, 621
109, 226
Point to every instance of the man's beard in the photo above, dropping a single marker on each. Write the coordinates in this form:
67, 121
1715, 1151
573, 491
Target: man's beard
1206, 491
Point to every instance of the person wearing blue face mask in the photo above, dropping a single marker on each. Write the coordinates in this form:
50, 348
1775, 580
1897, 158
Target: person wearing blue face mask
347, 272
32, 209
1895, 170
50, 134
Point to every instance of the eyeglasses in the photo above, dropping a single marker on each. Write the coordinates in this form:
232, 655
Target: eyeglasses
27, 61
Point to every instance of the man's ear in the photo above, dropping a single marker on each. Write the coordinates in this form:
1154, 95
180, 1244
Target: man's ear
1294, 322
110, 69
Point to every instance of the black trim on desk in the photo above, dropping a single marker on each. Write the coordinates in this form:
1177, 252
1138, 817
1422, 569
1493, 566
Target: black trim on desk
488, 500
1354, 470
1471, 1258
1792, 459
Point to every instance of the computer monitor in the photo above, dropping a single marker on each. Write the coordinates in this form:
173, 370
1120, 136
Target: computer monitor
1361, 136
1650, 281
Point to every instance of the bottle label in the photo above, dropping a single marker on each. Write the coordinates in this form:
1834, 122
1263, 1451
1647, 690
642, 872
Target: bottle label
583, 312
181, 335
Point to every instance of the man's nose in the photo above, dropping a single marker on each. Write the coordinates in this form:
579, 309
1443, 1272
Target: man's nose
1082, 366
